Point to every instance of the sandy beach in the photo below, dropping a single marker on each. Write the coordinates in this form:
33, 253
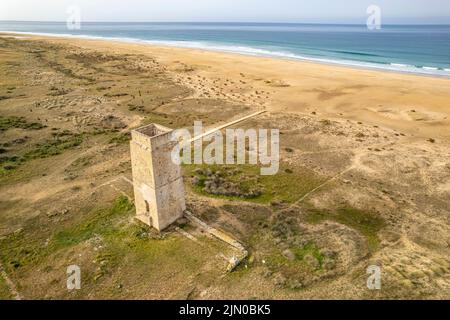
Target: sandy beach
364, 176
411, 104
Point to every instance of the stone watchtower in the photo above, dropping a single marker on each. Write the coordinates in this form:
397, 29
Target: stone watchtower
158, 182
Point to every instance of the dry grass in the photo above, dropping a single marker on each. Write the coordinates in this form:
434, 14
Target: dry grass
65, 117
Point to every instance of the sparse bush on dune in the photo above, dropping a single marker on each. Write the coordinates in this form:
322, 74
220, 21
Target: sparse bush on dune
216, 183
18, 122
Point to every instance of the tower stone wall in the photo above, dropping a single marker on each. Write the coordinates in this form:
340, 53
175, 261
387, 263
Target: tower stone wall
158, 182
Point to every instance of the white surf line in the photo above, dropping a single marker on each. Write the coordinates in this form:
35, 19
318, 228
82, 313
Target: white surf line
209, 132
12, 287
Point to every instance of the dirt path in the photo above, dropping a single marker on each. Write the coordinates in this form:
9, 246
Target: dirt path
356, 163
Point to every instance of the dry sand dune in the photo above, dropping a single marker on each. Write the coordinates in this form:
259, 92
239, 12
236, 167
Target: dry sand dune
364, 176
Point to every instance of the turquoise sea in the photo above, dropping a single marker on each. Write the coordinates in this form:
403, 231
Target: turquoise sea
423, 49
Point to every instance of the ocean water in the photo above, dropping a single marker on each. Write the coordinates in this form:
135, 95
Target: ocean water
416, 49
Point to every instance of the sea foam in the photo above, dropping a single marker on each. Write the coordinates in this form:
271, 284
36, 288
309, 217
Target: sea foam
255, 51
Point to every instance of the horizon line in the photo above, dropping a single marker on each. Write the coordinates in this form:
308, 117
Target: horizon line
240, 22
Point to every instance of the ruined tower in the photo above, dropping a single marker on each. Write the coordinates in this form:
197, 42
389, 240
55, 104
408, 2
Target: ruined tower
158, 182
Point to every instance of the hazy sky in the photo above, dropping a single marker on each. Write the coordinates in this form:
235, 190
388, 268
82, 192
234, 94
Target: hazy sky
331, 11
